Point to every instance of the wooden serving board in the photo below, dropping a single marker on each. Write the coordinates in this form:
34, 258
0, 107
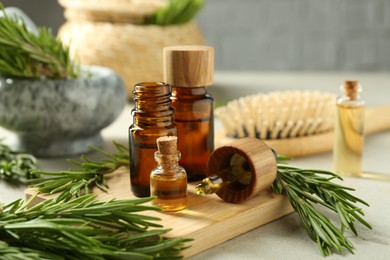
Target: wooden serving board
208, 220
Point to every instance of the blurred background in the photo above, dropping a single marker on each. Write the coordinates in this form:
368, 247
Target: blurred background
276, 35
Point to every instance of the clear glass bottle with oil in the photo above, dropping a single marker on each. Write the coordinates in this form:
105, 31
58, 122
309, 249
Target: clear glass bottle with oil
349, 131
189, 70
152, 118
168, 181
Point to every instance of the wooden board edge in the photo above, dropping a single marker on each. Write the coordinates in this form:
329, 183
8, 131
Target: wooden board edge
29, 192
252, 220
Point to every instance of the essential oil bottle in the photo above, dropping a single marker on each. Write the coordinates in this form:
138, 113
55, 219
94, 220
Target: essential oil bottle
152, 118
189, 70
349, 134
239, 170
168, 181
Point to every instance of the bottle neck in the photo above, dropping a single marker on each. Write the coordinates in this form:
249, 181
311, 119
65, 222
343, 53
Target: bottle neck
153, 119
167, 160
349, 96
152, 104
346, 100
189, 92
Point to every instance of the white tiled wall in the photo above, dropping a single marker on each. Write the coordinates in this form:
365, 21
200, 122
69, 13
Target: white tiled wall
298, 34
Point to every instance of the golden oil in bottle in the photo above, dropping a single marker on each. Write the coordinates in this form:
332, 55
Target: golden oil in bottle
239, 170
170, 191
349, 134
238, 175
168, 181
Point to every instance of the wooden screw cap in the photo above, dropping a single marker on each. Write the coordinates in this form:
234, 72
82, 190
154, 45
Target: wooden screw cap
262, 163
167, 145
189, 66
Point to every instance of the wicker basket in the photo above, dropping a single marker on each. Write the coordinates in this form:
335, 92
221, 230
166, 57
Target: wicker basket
108, 33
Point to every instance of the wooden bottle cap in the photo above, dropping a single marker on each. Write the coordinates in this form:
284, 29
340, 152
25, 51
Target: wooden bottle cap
167, 145
189, 66
262, 163
351, 88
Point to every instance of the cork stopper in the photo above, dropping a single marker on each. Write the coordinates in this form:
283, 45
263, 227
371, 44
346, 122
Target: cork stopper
351, 88
189, 66
167, 145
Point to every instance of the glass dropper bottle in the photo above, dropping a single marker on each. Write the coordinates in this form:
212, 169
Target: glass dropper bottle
239, 170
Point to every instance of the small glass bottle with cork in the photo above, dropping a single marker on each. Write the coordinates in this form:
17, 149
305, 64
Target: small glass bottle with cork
349, 130
168, 181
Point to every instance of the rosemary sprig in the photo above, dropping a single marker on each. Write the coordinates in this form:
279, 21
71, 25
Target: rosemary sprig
84, 228
16, 166
77, 181
176, 12
24, 54
307, 187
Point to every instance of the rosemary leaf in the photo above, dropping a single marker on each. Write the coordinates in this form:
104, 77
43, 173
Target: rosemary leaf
176, 12
305, 187
77, 181
87, 229
24, 54
16, 166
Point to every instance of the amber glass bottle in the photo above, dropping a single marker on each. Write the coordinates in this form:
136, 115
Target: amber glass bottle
152, 118
189, 70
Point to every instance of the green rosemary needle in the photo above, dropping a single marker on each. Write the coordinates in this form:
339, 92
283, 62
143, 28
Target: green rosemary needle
84, 228
24, 54
176, 12
78, 181
306, 187
16, 166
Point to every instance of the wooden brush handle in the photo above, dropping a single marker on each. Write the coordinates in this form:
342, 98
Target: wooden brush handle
376, 120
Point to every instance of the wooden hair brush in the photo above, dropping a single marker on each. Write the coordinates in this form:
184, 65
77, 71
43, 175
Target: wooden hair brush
293, 123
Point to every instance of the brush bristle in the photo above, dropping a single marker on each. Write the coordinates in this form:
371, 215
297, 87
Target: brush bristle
279, 115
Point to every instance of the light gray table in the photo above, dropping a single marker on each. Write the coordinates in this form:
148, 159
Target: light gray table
285, 238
